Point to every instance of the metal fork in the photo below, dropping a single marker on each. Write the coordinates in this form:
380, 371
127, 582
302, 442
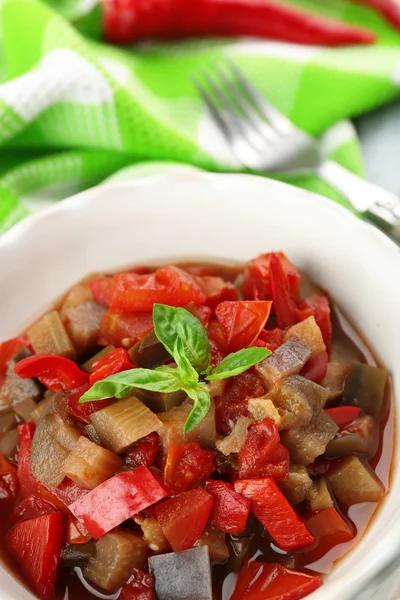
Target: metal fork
263, 139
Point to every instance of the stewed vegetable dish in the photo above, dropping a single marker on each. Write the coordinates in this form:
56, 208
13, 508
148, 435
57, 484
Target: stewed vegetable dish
193, 431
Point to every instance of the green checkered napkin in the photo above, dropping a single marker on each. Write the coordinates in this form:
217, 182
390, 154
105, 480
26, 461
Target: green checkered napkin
74, 111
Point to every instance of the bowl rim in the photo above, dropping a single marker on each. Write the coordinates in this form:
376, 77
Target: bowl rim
387, 561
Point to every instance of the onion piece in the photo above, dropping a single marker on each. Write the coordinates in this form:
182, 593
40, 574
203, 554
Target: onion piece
116, 555
353, 481
286, 360
122, 424
49, 336
296, 484
235, 440
88, 464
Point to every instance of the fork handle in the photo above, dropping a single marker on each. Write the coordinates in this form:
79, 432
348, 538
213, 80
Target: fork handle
378, 205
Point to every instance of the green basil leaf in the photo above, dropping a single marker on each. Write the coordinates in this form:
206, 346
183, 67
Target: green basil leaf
188, 374
202, 403
171, 322
238, 362
120, 384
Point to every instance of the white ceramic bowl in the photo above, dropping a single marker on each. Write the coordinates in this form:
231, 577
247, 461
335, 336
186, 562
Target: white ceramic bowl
191, 214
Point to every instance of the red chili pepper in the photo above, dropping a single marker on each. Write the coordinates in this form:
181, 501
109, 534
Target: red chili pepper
231, 509
144, 452
117, 327
272, 581
39, 563
55, 372
184, 517
139, 587
262, 454
242, 322
131, 21
9, 349
114, 362
284, 306
389, 9
275, 513
316, 367
187, 464
318, 307
343, 415
131, 492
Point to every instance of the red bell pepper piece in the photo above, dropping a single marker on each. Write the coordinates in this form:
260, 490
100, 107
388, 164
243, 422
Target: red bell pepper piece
30, 508
69, 492
232, 18
144, 452
101, 289
9, 476
272, 581
318, 307
168, 285
329, 529
389, 9
262, 454
116, 500
316, 367
139, 587
187, 464
114, 362
284, 306
217, 290
82, 412
233, 403
231, 510
55, 372
184, 517
9, 349
275, 513
118, 326
75, 532
257, 278
241, 322
36, 545
343, 415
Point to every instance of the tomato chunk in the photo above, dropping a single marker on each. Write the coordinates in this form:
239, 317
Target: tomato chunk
284, 305
343, 415
114, 362
184, 517
144, 452
101, 289
39, 561
231, 509
168, 285
272, 581
272, 338
117, 326
82, 412
262, 453
233, 403
318, 307
217, 290
273, 510
187, 464
257, 280
316, 367
241, 322
139, 587
130, 492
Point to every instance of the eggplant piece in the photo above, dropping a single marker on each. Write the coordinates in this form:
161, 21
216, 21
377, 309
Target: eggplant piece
25, 409
149, 353
182, 575
52, 441
288, 359
39, 409
306, 443
308, 332
88, 365
116, 555
122, 424
160, 402
153, 534
297, 400
318, 496
216, 544
49, 336
262, 408
78, 554
235, 440
9, 443
353, 481
238, 548
90, 431
89, 465
296, 484
173, 422
78, 294
7, 422
335, 379
359, 437
15, 389
365, 387
83, 326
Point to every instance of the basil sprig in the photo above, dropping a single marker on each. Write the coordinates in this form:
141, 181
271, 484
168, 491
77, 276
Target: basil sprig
185, 338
